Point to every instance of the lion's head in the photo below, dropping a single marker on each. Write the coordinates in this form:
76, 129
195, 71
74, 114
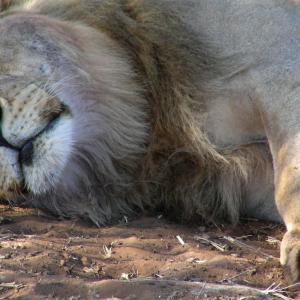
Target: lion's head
98, 110
72, 125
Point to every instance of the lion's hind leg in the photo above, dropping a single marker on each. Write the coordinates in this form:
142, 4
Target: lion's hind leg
259, 201
252, 166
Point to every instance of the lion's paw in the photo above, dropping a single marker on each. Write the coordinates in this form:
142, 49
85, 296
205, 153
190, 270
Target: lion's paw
290, 254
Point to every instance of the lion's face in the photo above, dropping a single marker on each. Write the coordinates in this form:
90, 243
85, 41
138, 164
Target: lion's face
36, 124
73, 119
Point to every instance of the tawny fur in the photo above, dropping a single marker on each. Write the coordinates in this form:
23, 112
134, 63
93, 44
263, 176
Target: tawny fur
177, 169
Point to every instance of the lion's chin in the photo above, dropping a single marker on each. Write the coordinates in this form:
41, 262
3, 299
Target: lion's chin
51, 152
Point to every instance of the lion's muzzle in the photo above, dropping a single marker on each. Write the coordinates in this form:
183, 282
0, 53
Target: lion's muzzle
35, 138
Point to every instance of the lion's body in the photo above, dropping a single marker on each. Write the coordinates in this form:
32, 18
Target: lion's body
122, 106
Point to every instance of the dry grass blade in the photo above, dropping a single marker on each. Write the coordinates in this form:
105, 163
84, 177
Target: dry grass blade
243, 245
275, 290
107, 252
180, 240
239, 274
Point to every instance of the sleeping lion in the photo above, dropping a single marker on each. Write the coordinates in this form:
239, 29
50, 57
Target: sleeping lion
190, 107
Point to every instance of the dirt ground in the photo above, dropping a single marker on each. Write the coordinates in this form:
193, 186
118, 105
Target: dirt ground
148, 258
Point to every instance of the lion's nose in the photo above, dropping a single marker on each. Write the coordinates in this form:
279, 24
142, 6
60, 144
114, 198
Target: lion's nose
26, 154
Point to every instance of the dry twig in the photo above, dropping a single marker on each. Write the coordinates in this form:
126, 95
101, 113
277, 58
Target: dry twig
218, 246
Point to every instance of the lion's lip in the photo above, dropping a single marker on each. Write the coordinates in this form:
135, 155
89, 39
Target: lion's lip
26, 152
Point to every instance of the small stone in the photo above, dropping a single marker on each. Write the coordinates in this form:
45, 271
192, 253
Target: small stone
62, 263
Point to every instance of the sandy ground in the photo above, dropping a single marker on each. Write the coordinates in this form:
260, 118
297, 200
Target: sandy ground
148, 258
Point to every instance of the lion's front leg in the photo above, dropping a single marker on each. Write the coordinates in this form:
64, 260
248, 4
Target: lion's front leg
289, 253
287, 184
282, 124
